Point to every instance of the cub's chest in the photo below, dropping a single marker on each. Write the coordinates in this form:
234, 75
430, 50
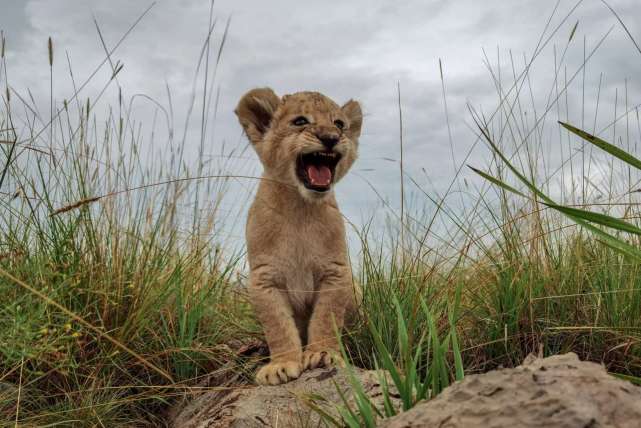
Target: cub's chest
310, 243
293, 240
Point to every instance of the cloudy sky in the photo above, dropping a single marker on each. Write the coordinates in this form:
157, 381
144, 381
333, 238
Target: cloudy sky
359, 49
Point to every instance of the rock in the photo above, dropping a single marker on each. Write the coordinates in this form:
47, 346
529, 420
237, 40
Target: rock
558, 391
276, 406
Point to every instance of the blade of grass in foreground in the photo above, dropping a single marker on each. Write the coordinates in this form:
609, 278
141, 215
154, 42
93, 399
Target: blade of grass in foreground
497, 181
616, 243
598, 218
611, 149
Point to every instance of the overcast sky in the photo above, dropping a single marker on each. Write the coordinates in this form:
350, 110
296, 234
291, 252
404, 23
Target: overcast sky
357, 49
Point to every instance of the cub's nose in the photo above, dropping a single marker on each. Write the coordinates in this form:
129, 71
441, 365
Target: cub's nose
329, 140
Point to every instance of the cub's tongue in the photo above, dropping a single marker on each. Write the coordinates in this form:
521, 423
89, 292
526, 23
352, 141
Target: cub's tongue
319, 175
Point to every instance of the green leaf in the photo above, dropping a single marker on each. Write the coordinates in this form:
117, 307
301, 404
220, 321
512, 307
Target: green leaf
389, 408
520, 176
452, 317
311, 399
633, 379
403, 339
362, 401
618, 244
573, 31
496, 181
458, 361
387, 361
613, 150
598, 218
422, 385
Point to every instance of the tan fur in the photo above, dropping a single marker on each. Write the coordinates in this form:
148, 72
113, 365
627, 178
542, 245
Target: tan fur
300, 277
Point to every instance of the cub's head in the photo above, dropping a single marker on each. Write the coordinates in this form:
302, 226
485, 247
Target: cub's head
304, 139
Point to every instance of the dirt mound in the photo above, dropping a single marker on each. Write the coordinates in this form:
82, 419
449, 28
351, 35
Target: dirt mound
558, 391
276, 406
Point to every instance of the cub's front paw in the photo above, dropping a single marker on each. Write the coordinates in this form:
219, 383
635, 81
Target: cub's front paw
322, 358
276, 373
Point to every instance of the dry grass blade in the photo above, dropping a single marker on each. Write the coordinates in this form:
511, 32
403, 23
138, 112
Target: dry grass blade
34, 149
625, 28
50, 51
75, 205
593, 293
86, 201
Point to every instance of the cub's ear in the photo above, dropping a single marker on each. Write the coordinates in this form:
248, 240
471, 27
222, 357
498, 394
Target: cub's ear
255, 111
352, 109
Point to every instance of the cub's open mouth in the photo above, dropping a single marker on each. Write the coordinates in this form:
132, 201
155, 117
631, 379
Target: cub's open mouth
316, 170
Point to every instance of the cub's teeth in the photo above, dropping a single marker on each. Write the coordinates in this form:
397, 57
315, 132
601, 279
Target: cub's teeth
325, 154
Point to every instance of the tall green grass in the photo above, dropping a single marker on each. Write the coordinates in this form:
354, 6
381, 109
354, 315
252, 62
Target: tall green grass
120, 292
419, 371
113, 302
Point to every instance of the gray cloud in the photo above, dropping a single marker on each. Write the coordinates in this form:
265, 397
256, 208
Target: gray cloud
358, 49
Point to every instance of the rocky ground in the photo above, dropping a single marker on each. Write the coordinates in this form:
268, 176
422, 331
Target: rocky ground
558, 391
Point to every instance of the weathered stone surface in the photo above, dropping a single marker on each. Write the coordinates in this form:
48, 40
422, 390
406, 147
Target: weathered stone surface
558, 391
275, 406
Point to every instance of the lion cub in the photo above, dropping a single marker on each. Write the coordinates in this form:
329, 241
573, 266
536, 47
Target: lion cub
300, 277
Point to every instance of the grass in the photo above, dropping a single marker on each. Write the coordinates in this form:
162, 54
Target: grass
418, 371
119, 291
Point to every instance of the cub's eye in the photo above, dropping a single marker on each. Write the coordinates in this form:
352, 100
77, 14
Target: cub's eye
339, 124
300, 121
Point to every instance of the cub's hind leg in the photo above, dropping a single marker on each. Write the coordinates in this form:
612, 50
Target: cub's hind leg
277, 318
